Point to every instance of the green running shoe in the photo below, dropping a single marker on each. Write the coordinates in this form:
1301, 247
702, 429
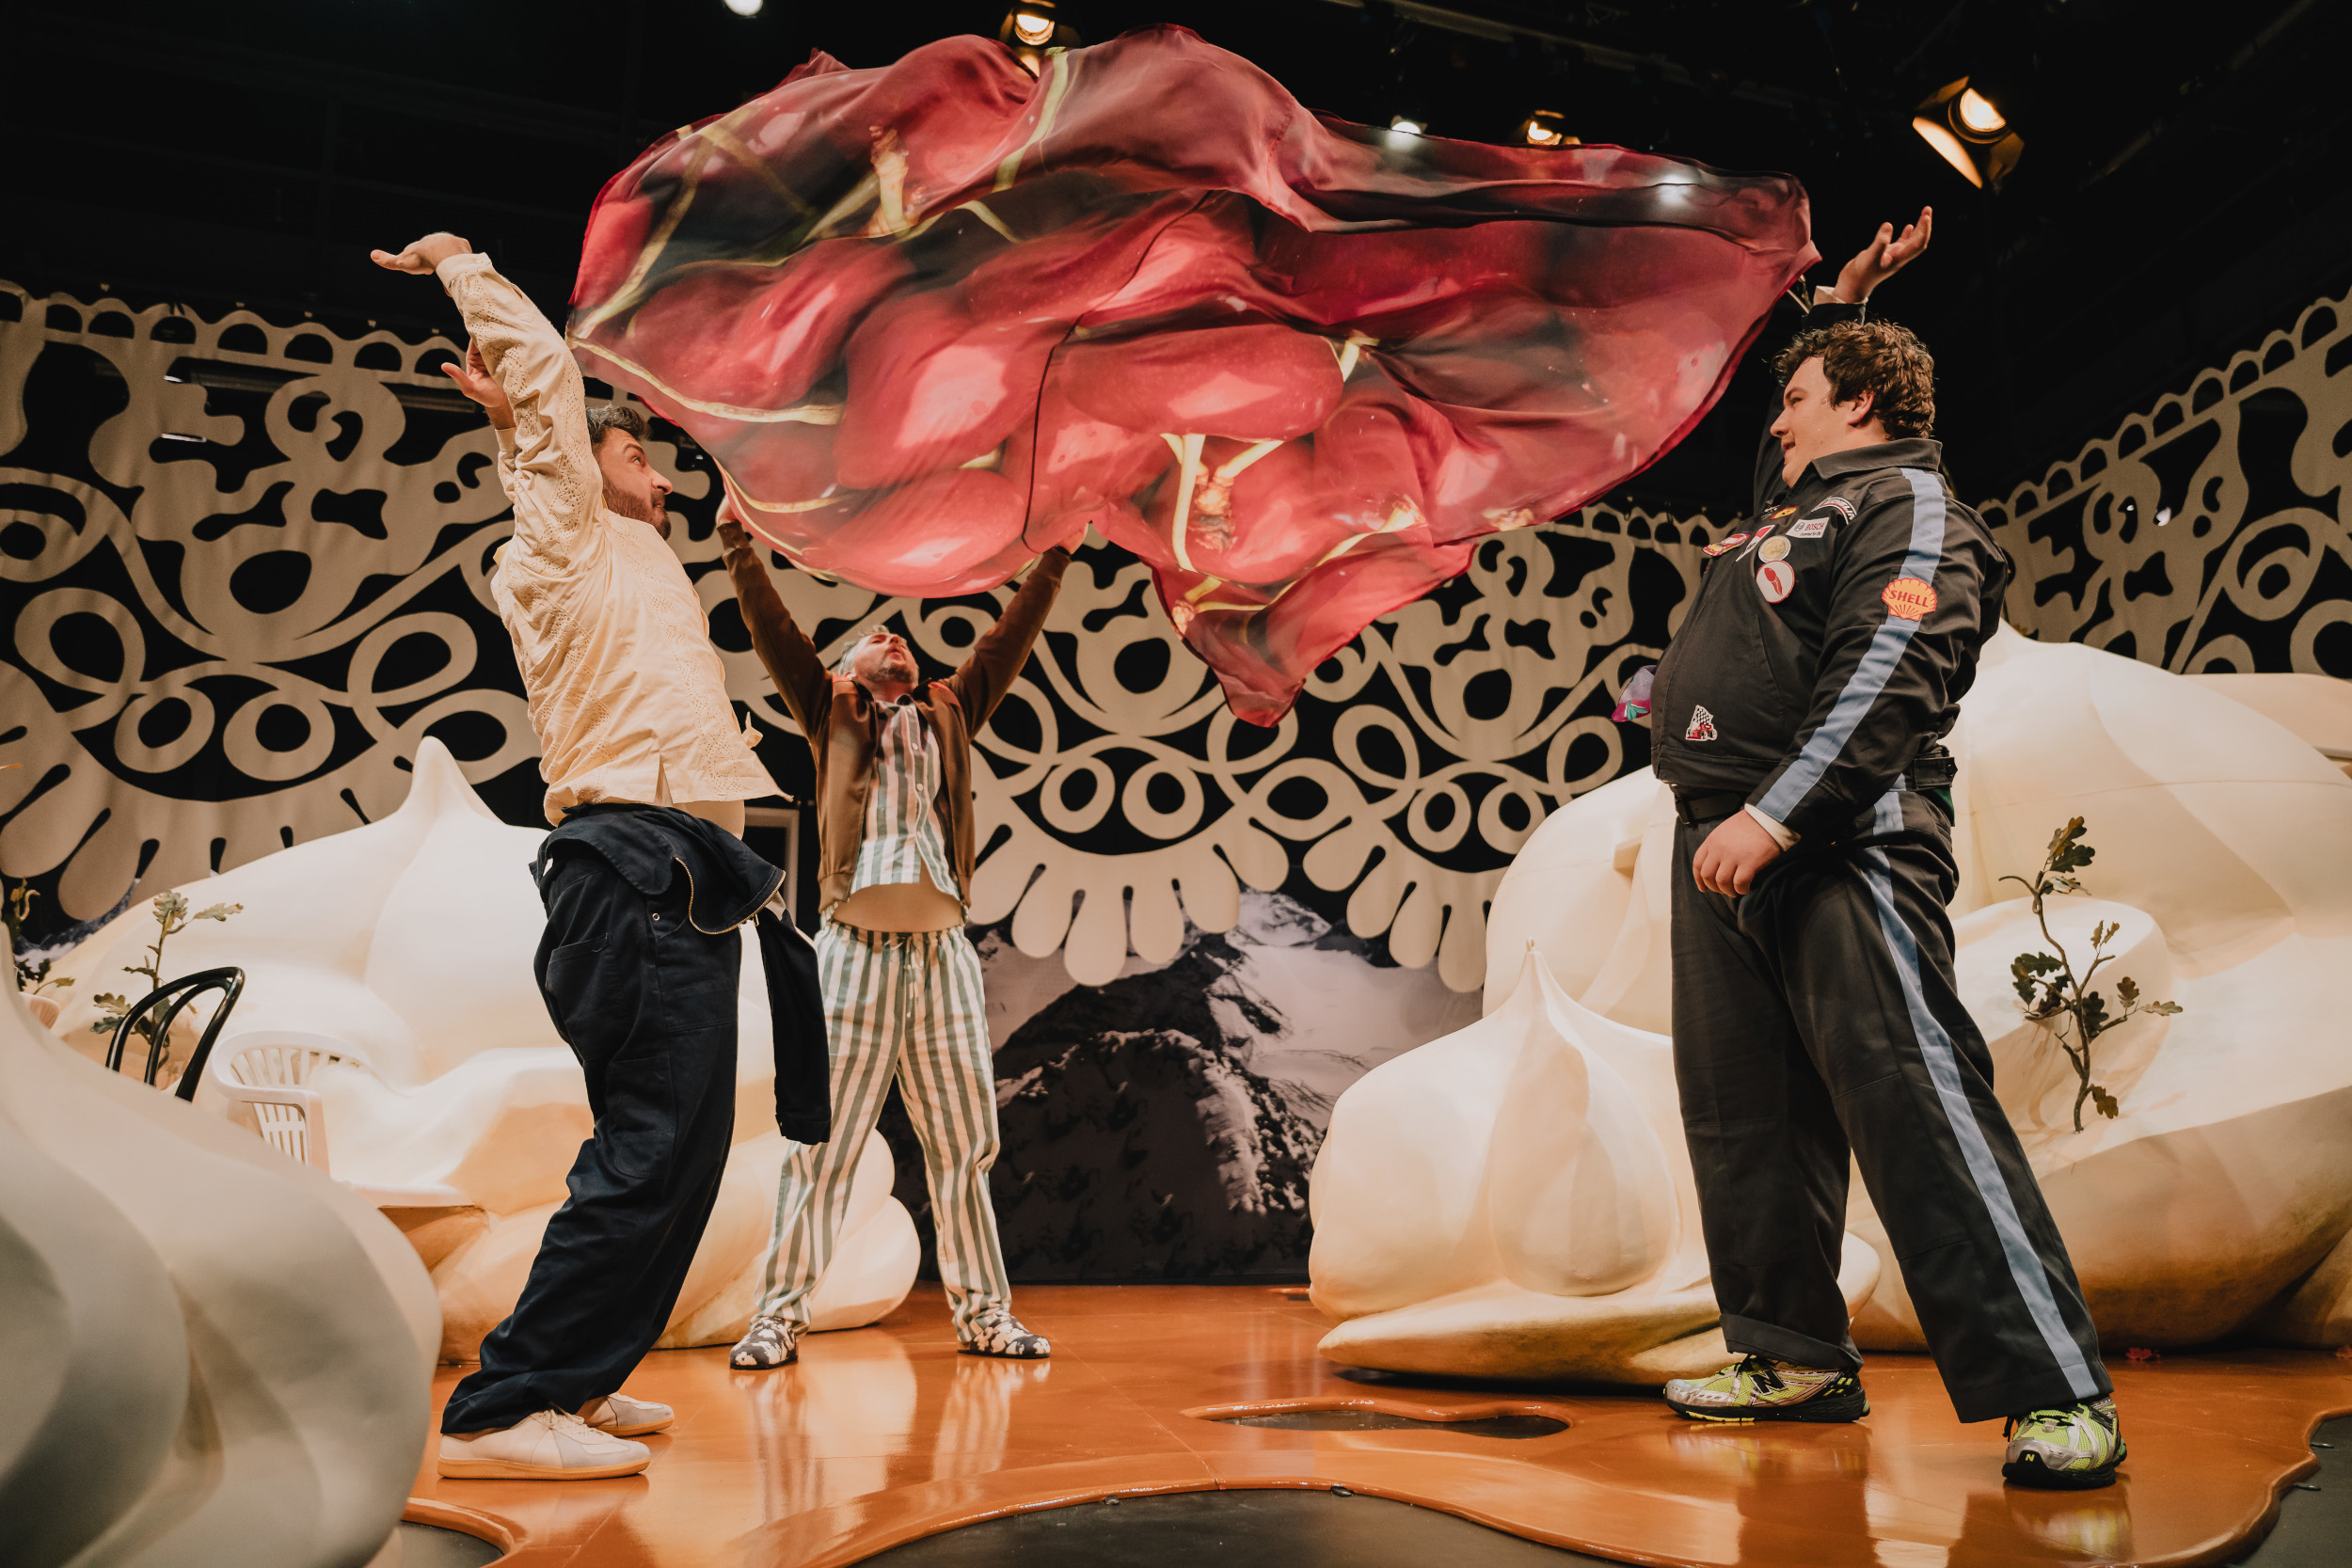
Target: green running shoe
2068, 1447
1758, 1388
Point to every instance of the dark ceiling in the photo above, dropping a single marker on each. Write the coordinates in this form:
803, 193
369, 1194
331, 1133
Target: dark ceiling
2184, 186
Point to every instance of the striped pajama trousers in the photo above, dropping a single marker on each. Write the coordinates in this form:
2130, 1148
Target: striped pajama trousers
1816, 1028
909, 1004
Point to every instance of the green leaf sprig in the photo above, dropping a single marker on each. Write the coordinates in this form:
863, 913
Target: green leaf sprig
171, 917
2048, 990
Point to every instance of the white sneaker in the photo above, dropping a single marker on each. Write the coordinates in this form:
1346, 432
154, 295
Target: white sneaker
624, 1417
552, 1445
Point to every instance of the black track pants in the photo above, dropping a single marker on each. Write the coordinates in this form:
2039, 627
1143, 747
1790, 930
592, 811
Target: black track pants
1815, 1017
649, 1005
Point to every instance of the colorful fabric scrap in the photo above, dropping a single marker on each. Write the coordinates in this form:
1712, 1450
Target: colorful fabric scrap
1633, 705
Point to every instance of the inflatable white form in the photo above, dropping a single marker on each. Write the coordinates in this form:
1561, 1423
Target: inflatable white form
1515, 1200
410, 940
214, 1356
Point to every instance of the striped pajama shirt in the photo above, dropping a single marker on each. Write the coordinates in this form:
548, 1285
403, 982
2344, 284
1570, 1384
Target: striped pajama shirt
906, 1005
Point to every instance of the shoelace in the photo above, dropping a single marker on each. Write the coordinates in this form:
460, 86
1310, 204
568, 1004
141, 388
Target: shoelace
563, 1421
2062, 1415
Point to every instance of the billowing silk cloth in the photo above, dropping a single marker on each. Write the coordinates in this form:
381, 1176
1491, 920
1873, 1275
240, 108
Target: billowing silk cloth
934, 318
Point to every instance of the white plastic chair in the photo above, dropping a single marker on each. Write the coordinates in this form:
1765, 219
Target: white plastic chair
268, 1072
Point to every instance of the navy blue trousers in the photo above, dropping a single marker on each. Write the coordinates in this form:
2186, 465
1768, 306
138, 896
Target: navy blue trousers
647, 1002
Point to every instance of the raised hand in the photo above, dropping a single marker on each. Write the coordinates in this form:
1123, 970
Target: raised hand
1886, 254
424, 255
474, 379
734, 538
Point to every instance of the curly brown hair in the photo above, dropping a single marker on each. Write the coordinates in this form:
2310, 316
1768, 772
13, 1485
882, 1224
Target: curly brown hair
616, 416
1874, 357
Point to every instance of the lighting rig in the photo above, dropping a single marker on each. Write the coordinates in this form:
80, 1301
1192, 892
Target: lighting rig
1548, 128
1030, 28
1970, 133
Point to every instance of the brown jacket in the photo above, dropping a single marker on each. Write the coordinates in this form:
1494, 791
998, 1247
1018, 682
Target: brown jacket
843, 725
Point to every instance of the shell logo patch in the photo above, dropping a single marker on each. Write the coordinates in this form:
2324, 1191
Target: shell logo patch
1702, 725
1731, 543
1808, 528
1908, 598
1776, 580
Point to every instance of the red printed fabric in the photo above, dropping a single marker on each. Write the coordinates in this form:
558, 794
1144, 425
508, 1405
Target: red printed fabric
935, 318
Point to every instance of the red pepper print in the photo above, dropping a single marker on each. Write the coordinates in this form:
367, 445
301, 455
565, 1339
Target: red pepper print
934, 318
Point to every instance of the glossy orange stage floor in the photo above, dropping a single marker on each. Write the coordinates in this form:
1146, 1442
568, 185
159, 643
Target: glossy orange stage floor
884, 1434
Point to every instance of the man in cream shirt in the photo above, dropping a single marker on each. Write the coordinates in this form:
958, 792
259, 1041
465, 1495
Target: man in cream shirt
646, 777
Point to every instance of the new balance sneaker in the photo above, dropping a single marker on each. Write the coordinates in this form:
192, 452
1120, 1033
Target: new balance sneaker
1758, 1388
2067, 1447
553, 1444
1001, 1334
624, 1417
768, 1342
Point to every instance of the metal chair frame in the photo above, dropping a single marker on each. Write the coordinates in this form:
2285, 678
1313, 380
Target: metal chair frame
229, 981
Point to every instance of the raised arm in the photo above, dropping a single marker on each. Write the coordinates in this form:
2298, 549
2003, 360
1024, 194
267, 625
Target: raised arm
1004, 648
1887, 254
544, 457
783, 647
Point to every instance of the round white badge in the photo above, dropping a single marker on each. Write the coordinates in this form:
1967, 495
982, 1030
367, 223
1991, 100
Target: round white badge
1774, 580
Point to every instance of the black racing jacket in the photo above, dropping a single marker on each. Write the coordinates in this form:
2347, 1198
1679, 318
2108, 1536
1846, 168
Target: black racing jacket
1807, 684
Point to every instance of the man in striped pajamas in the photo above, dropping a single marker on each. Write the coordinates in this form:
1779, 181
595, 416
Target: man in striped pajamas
900, 980
1799, 716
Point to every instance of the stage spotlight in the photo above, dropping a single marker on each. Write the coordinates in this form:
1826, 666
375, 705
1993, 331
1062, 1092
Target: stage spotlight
745, 8
1547, 128
1031, 23
1030, 28
1977, 114
1405, 127
1970, 132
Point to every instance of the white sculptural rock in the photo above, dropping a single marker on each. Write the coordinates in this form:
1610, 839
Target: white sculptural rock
2210, 1205
2219, 1200
217, 1355
1515, 1200
411, 937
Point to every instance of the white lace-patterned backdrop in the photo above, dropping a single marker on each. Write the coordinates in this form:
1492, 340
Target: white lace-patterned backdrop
244, 564
2208, 534
241, 598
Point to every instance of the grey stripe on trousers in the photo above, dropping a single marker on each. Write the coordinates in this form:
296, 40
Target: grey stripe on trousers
906, 1005
2025, 1268
1817, 1031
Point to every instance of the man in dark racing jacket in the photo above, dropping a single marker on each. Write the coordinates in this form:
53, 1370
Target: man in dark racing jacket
1798, 716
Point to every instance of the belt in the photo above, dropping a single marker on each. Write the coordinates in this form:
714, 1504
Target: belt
1695, 806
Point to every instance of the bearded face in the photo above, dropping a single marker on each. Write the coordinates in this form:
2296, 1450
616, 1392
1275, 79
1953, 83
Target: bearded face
882, 657
633, 488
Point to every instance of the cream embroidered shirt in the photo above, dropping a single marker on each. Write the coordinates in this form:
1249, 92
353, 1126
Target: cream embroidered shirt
626, 693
